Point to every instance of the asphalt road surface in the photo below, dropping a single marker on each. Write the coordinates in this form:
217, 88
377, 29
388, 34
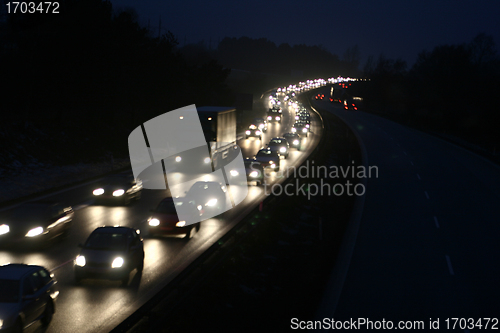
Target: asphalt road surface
427, 244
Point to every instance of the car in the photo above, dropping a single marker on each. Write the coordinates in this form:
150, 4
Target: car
254, 171
120, 188
254, 131
35, 224
305, 120
293, 140
28, 294
110, 252
209, 197
268, 158
279, 145
261, 124
276, 108
300, 129
273, 115
165, 218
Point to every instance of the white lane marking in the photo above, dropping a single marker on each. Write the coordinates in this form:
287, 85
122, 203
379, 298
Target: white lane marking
450, 268
426, 194
436, 221
418, 176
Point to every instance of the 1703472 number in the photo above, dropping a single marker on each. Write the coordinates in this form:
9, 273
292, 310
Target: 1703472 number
32, 7
472, 323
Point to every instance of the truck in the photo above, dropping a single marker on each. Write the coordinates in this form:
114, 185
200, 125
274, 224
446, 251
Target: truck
219, 127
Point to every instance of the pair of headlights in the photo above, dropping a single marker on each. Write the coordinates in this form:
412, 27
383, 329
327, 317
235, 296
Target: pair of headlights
116, 193
154, 222
4, 229
117, 262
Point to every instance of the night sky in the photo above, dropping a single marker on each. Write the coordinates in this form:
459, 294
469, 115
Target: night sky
398, 29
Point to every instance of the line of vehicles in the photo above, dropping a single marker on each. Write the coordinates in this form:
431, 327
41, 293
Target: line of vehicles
28, 293
269, 156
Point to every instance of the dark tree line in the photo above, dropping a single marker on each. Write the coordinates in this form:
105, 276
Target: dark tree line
87, 76
452, 89
262, 55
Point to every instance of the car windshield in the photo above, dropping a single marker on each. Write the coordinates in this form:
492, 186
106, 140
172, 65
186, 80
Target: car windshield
264, 153
115, 181
9, 291
167, 206
107, 241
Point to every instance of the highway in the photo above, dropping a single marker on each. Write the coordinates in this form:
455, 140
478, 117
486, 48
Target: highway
426, 243
100, 305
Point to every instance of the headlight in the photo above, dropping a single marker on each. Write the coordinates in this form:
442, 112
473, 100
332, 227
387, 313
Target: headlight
180, 224
257, 132
80, 261
117, 193
178, 159
117, 263
4, 228
247, 132
254, 174
294, 129
296, 117
272, 165
304, 130
307, 125
269, 118
296, 142
199, 207
234, 173
207, 160
154, 222
282, 150
278, 118
98, 191
211, 203
35, 232
261, 125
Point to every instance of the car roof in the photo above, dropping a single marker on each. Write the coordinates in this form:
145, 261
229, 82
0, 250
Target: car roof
16, 271
112, 229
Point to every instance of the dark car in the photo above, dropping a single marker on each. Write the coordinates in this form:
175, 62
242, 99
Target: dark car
121, 189
28, 294
274, 115
110, 253
254, 171
268, 158
254, 131
209, 197
35, 223
293, 140
261, 124
305, 120
279, 145
165, 218
300, 129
